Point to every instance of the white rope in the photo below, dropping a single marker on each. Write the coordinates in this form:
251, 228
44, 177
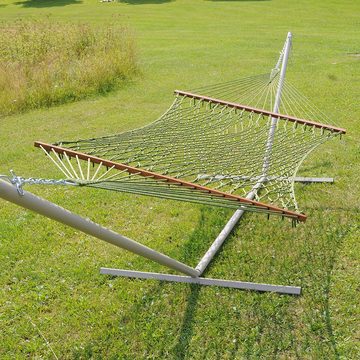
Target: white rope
69, 162
61, 163
58, 166
81, 172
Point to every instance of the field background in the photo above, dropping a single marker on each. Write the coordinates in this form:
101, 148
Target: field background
54, 303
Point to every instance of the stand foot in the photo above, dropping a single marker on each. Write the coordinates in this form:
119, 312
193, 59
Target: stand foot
291, 290
307, 180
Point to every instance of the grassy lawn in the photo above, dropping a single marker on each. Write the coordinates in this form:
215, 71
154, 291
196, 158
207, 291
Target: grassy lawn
54, 302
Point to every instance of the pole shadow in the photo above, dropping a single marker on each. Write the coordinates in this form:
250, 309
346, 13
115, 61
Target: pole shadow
210, 224
187, 327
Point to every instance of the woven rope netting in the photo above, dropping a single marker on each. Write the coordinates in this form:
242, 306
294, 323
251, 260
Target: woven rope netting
209, 143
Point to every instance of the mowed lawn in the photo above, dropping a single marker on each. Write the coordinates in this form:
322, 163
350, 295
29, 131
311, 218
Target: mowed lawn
53, 301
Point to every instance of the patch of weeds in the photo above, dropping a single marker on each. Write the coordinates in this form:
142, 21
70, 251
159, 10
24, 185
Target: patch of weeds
45, 63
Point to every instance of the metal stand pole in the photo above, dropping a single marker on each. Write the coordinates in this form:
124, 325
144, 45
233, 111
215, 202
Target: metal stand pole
46, 208
309, 180
290, 290
216, 245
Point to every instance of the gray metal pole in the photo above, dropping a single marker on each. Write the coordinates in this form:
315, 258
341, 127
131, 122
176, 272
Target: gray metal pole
46, 208
277, 102
291, 290
225, 232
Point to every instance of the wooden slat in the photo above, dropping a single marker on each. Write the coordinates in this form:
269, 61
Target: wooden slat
146, 173
260, 111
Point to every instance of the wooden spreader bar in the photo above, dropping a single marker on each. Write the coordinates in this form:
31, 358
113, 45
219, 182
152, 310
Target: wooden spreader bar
133, 170
260, 111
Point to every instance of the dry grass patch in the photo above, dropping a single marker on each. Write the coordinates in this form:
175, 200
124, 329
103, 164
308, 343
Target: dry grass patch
44, 63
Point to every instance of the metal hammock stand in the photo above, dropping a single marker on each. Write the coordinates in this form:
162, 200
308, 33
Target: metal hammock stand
205, 150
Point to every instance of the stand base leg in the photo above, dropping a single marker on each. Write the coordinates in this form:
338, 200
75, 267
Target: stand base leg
291, 290
309, 180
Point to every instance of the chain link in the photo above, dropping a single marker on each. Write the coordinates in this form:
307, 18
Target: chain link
19, 181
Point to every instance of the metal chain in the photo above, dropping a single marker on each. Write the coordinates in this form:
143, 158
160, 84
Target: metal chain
19, 181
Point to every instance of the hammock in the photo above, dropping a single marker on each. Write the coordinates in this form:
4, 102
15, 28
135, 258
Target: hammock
208, 148
237, 145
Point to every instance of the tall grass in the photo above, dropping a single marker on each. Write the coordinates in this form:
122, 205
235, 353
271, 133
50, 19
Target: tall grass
45, 63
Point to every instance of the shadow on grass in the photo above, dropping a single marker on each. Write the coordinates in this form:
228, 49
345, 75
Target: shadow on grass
46, 3
144, 2
328, 320
322, 164
181, 348
339, 237
275, 318
210, 223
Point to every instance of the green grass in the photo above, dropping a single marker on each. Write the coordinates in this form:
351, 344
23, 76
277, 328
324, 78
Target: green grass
45, 63
49, 281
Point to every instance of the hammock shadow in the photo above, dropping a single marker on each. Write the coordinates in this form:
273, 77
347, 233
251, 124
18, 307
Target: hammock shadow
207, 227
46, 3
210, 223
144, 2
328, 320
322, 164
187, 326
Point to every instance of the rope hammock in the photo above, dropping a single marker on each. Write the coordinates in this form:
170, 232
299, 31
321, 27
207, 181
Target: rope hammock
208, 148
